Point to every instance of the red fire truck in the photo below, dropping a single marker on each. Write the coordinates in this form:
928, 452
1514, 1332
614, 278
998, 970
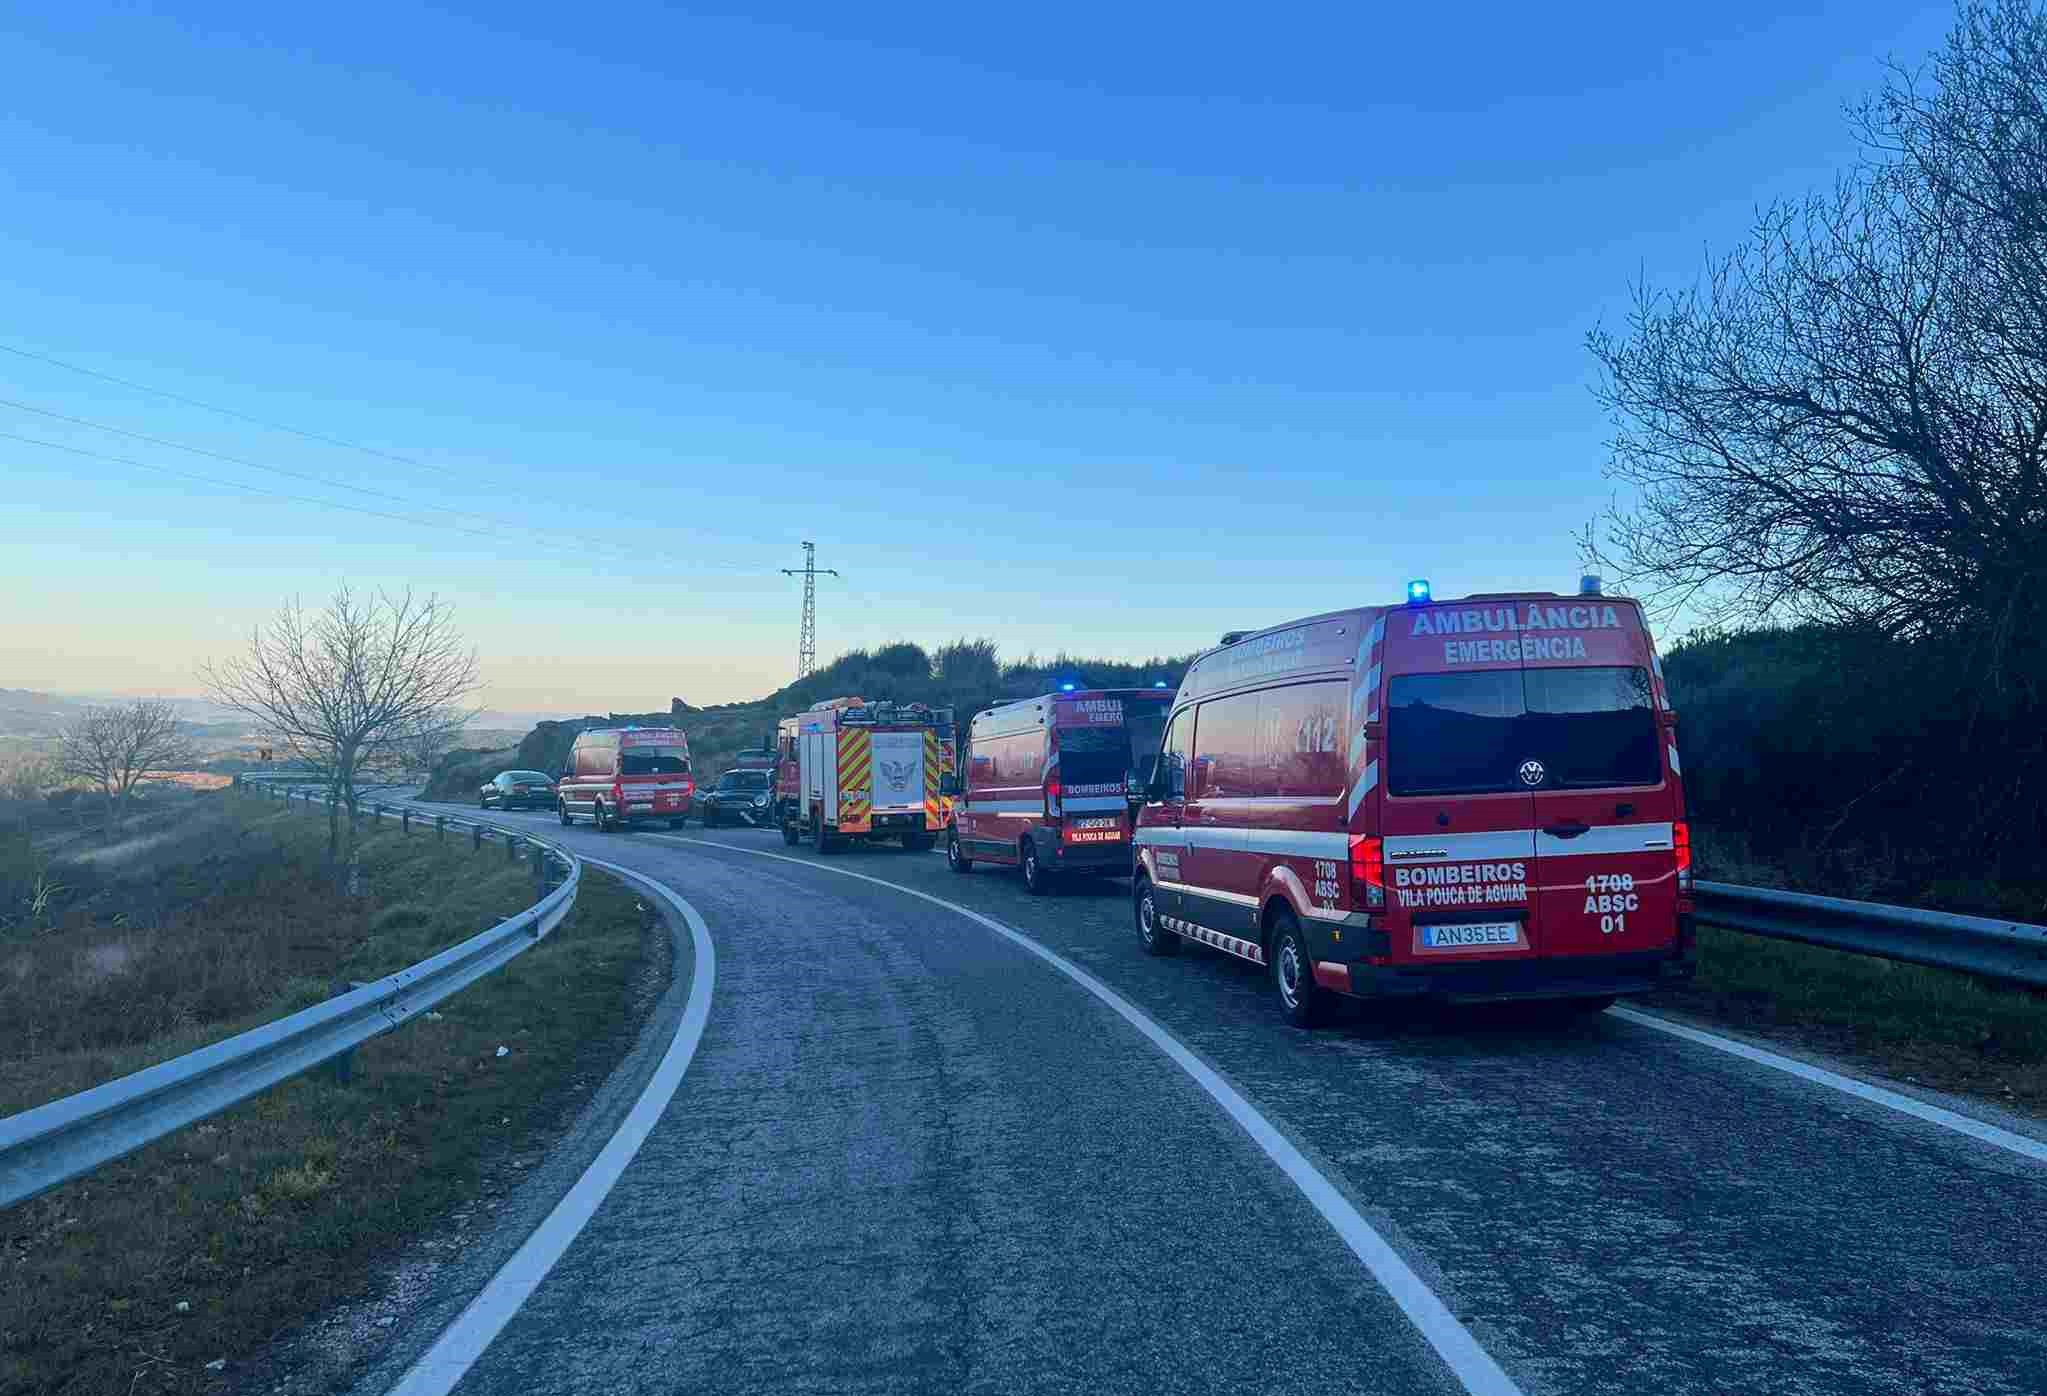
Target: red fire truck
1049, 782
1470, 800
851, 769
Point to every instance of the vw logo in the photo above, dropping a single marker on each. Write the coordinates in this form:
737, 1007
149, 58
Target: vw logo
1532, 773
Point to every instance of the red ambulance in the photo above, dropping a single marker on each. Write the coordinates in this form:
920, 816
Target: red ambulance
621, 776
1049, 782
1465, 800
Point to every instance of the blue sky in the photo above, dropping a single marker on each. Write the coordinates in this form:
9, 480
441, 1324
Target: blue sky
1104, 328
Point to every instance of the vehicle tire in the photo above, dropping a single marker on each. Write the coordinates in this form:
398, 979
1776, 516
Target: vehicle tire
1305, 1003
678, 823
562, 809
823, 840
955, 856
918, 843
1151, 931
791, 835
1036, 880
482, 802
601, 821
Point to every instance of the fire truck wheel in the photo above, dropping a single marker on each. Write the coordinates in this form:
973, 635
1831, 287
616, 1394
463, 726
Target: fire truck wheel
955, 856
562, 809
825, 843
1037, 881
791, 835
1305, 1003
1155, 938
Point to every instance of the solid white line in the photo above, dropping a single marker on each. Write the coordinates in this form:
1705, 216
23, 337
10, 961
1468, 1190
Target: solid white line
1847, 1085
457, 1349
1453, 1342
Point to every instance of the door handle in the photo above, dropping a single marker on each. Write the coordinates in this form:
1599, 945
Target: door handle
1570, 829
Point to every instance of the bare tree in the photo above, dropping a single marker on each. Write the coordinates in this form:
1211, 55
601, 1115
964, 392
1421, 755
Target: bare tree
348, 687
1846, 420
112, 747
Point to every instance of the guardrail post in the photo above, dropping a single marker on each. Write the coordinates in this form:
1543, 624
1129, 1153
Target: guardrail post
441, 827
475, 837
512, 842
539, 872
405, 821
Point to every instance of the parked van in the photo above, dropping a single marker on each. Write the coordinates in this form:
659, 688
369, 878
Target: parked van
626, 775
1468, 800
1049, 783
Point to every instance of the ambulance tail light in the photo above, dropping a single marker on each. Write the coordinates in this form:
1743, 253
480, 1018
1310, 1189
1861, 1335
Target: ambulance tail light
1681, 840
1053, 792
617, 794
1368, 872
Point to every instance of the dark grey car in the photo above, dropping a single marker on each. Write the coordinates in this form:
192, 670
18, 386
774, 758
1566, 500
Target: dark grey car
516, 790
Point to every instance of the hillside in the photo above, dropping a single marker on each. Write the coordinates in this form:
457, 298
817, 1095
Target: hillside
966, 675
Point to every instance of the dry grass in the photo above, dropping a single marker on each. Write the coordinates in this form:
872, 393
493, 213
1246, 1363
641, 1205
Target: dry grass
269, 1212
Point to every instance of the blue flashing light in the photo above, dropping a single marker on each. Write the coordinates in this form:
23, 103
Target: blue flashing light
1160, 684
1067, 687
1418, 591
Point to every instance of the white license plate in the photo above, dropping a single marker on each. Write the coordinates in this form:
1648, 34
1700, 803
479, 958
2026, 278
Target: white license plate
1482, 933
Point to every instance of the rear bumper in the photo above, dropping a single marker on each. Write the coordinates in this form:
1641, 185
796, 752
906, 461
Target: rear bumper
1111, 858
1554, 977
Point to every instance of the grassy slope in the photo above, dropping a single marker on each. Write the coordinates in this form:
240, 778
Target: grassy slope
1933, 1026
272, 1210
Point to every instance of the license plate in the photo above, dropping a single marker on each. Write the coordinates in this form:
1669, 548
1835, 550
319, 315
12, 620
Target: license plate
1471, 935
1094, 836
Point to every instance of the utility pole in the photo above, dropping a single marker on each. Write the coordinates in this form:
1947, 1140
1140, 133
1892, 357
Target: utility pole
806, 645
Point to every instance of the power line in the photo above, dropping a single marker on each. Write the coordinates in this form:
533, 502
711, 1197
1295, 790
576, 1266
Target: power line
598, 544
248, 489
257, 490
230, 412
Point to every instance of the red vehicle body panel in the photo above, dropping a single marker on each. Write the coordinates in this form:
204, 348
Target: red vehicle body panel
1300, 786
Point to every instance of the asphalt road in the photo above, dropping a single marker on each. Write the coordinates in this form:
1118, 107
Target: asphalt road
909, 1156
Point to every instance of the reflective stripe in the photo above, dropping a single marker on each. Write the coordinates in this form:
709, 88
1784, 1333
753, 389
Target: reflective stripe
1295, 843
1606, 838
1242, 949
1461, 848
1291, 841
977, 806
1094, 802
1367, 781
1357, 747
1215, 894
1676, 768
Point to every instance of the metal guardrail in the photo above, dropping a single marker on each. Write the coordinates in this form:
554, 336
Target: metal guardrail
2011, 950
53, 1143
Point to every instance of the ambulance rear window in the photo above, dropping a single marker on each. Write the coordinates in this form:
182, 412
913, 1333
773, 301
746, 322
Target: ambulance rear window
654, 761
1467, 734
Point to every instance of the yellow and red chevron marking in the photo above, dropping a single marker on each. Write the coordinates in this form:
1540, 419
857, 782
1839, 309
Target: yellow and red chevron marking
934, 811
856, 780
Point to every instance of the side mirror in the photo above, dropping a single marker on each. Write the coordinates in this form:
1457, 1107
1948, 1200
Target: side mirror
949, 786
1375, 732
1669, 717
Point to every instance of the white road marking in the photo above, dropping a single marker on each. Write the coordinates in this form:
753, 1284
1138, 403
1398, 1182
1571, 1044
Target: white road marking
457, 1349
1905, 1105
1453, 1342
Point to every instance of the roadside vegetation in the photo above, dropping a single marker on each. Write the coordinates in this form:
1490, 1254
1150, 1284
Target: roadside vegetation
205, 1246
965, 675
